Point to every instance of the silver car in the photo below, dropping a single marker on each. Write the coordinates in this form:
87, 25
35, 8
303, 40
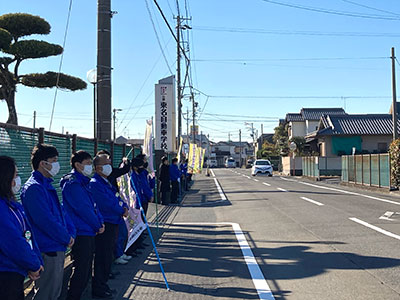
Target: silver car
261, 166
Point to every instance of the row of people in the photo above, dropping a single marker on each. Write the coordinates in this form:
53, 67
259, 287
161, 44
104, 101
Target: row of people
35, 235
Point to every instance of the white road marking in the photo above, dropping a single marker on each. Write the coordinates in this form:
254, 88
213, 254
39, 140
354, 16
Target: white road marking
283, 178
243, 175
212, 173
221, 193
387, 215
256, 180
383, 231
312, 201
351, 193
248, 177
267, 184
281, 189
261, 285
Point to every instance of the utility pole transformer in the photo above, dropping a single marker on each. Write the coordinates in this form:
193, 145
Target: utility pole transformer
104, 15
394, 105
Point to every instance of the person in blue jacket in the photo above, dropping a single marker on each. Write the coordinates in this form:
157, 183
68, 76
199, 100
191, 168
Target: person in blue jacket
19, 253
175, 176
184, 173
51, 225
112, 209
88, 221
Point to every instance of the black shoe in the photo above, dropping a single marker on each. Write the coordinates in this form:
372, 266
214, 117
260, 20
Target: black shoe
105, 295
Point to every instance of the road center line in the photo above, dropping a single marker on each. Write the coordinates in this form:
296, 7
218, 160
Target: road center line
261, 285
281, 189
378, 229
283, 178
267, 184
220, 191
212, 173
256, 180
312, 201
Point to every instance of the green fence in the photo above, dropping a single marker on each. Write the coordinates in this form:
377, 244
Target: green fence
18, 142
369, 169
310, 166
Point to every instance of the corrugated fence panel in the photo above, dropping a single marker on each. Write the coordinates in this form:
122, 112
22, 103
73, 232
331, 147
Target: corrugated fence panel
375, 169
117, 155
366, 169
359, 174
86, 145
351, 168
64, 148
384, 170
345, 170
18, 144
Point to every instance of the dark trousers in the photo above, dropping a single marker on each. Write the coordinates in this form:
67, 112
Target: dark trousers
103, 258
82, 254
164, 197
11, 286
174, 191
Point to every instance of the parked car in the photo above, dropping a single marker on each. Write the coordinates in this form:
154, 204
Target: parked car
230, 163
261, 166
249, 163
212, 163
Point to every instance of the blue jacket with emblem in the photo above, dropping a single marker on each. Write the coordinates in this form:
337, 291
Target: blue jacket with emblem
142, 187
79, 204
107, 199
50, 222
16, 255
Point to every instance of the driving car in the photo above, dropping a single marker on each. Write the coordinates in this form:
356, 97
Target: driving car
230, 163
261, 166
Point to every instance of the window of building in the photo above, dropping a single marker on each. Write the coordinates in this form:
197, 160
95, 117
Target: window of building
382, 147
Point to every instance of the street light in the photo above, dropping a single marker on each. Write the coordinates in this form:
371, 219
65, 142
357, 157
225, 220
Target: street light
91, 76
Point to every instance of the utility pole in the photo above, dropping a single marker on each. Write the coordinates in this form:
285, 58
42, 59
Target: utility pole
229, 137
178, 75
34, 119
115, 110
394, 105
194, 118
187, 126
201, 139
240, 148
104, 15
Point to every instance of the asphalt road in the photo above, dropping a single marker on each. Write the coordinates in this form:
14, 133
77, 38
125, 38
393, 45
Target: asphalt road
243, 237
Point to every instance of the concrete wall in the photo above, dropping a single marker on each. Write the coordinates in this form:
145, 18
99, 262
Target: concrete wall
287, 165
370, 143
326, 146
297, 129
311, 126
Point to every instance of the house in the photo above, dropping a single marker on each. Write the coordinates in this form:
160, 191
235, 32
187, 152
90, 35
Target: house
338, 134
201, 140
224, 150
265, 137
133, 142
307, 121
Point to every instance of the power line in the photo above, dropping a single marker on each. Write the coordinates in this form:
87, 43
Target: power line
289, 59
332, 11
295, 32
158, 38
242, 116
61, 62
372, 8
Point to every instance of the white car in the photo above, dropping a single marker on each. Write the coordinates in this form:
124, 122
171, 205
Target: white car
212, 163
261, 166
230, 163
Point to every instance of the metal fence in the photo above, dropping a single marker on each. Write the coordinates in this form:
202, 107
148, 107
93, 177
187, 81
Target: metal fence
310, 166
18, 142
316, 166
369, 169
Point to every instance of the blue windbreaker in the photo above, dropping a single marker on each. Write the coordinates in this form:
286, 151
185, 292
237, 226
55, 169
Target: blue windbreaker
184, 169
107, 199
79, 204
174, 172
50, 222
16, 255
139, 188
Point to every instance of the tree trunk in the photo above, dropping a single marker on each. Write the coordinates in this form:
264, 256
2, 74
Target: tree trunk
12, 112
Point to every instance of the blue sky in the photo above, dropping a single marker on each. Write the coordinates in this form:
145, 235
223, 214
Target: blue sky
225, 63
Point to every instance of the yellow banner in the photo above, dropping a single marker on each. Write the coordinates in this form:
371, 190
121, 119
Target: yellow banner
192, 157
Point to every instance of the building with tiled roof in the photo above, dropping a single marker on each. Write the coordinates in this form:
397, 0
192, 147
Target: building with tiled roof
306, 122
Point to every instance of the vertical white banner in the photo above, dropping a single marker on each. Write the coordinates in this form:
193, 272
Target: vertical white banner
148, 144
165, 119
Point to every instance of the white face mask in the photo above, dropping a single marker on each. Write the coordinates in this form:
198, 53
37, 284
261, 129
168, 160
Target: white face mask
107, 169
17, 186
87, 170
55, 168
